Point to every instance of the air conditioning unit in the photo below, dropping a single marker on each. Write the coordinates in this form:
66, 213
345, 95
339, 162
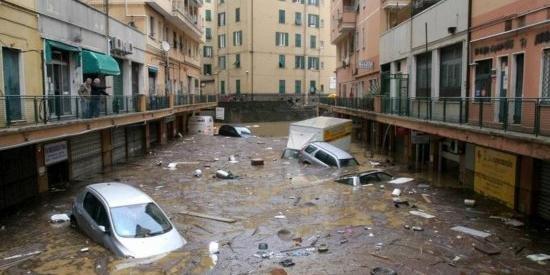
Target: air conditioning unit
130, 48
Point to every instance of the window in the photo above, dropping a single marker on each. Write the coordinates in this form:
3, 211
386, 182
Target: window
312, 41
313, 20
384, 177
221, 41
546, 74
208, 33
281, 16
237, 38
313, 63
139, 220
326, 158
207, 69
281, 61
175, 40
310, 148
222, 87
221, 19
221, 62
298, 89
237, 61
237, 14
238, 86
521, 21
208, 15
96, 210
298, 40
312, 86
181, 44
282, 87
298, 18
450, 72
313, 2
483, 78
368, 178
281, 39
508, 25
152, 27
424, 75
299, 62
207, 51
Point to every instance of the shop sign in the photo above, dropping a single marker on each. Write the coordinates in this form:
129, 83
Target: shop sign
495, 174
55, 152
419, 138
220, 113
506, 45
366, 64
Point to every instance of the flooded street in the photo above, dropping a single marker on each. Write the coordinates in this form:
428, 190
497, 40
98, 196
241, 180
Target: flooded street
291, 207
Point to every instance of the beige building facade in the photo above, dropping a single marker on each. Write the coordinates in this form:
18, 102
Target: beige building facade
268, 47
173, 33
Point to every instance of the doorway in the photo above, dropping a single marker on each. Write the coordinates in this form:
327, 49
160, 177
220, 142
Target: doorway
503, 87
58, 175
59, 83
519, 62
12, 85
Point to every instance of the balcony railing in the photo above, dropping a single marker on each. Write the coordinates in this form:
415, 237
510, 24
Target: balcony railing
521, 115
34, 110
293, 99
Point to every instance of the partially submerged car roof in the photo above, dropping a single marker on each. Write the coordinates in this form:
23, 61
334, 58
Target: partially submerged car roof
119, 194
340, 154
362, 173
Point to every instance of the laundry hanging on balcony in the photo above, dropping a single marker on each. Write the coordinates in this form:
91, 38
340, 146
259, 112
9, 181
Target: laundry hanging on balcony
98, 63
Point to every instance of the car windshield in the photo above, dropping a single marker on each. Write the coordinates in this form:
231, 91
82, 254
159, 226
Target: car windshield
139, 221
348, 162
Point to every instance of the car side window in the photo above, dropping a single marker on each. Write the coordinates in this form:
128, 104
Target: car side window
96, 210
348, 180
310, 149
326, 158
369, 178
384, 177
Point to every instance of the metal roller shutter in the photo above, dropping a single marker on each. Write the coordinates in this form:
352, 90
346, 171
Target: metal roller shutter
86, 154
543, 205
136, 139
153, 132
17, 175
119, 145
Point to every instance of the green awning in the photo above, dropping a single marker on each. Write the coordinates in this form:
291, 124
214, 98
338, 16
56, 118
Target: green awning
98, 63
57, 45
153, 70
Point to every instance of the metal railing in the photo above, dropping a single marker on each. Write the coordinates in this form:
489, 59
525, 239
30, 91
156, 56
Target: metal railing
522, 115
32, 110
291, 98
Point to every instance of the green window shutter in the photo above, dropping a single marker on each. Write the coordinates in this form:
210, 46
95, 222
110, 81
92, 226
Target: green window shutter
298, 18
312, 42
281, 61
298, 42
281, 87
208, 15
281, 16
238, 86
298, 87
237, 14
277, 39
286, 39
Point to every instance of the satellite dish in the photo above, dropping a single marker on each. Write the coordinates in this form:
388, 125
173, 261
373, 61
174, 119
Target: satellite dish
165, 46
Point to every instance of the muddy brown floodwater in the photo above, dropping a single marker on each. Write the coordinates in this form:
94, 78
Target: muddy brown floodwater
286, 205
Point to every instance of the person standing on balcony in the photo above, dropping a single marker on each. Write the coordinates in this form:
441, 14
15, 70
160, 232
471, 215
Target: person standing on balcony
97, 92
84, 92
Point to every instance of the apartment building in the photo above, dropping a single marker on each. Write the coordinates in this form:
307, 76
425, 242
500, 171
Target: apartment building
355, 31
463, 88
269, 47
174, 32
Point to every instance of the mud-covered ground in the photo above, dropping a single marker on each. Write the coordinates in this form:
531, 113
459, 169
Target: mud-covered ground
361, 226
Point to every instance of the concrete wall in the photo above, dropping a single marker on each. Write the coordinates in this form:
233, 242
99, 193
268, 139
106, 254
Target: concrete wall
265, 111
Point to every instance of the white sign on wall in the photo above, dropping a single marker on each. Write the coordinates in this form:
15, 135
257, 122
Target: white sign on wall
220, 113
55, 152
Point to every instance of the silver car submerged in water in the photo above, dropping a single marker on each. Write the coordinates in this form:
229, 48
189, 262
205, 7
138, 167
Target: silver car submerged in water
124, 220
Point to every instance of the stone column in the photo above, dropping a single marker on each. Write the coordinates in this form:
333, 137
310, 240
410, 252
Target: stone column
42, 175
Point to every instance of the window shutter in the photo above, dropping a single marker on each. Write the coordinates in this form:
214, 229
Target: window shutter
286, 39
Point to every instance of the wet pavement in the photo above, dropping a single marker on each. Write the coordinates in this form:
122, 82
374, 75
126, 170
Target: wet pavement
288, 206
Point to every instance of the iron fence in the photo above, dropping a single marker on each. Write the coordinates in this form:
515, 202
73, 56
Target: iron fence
291, 98
522, 115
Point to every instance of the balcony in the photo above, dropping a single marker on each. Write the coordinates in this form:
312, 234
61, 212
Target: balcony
345, 22
185, 17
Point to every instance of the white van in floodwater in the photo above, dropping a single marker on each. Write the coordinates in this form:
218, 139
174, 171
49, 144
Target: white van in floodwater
336, 131
201, 125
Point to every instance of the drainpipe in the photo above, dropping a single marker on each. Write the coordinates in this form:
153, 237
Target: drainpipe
107, 30
468, 39
252, 48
